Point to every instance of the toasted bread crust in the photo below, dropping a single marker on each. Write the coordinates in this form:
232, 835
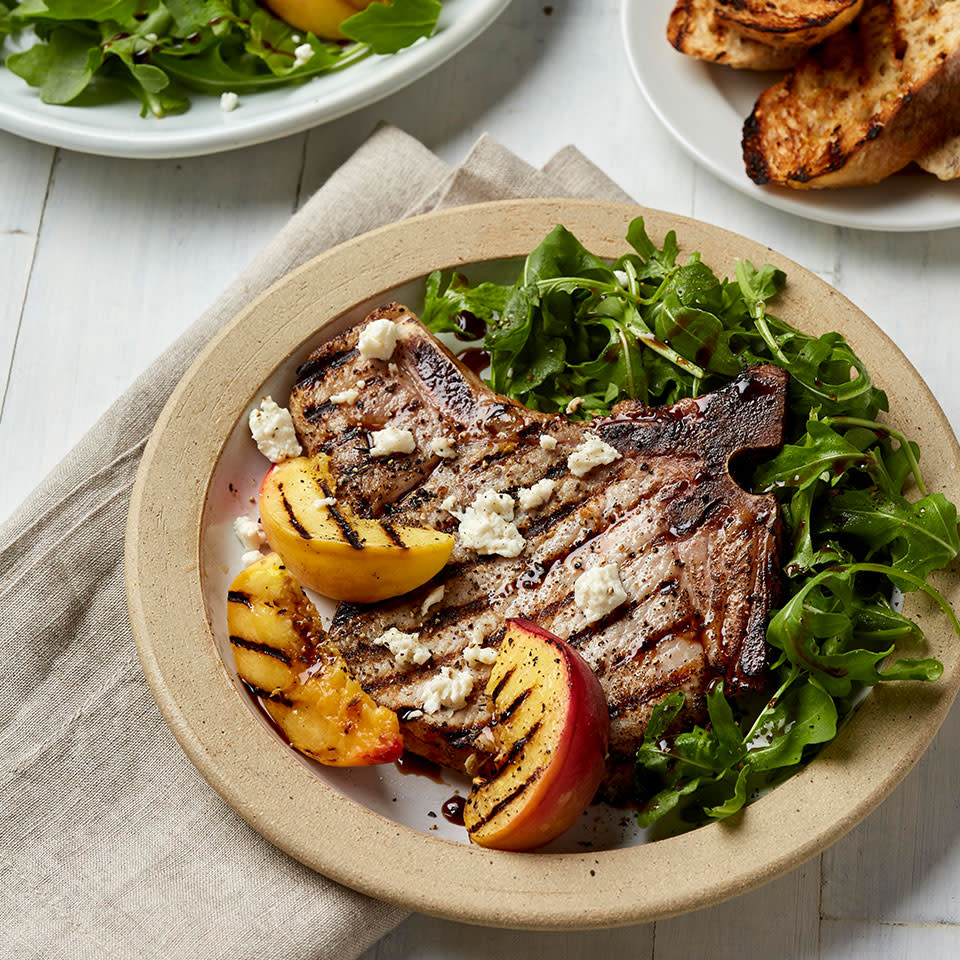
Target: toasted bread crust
863, 105
694, 29
787, 23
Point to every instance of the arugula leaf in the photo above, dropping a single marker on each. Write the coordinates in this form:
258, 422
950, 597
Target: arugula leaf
62, 68
823, 455
921, 537
96, 10
714, 768
389, 27
446, 299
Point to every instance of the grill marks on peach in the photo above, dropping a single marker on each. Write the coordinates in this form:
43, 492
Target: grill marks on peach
262, 694
503, 804
294, 521
263, 648
238, 596
347, 531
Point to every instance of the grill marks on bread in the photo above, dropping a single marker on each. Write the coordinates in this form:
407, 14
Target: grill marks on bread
879, 94
695, 29
695, 552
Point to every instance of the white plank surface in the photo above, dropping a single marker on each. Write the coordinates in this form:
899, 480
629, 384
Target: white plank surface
25, 172
103, 262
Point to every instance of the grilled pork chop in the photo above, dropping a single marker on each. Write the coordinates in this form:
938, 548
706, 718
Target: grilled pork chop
696, 554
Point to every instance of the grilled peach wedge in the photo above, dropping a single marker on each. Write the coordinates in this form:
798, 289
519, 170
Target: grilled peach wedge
319, 17
282, 655
552, 731
334, 552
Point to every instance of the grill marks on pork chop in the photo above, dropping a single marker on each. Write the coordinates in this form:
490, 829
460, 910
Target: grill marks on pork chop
695, 552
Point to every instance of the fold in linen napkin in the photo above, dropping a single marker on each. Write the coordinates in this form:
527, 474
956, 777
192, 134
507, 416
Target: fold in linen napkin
111, 844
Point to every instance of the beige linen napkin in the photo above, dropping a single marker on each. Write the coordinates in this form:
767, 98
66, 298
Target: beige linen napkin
111, 844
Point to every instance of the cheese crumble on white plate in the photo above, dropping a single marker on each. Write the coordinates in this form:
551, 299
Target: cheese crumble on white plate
272, 427
391, 440
406, 648
302, 54
378, 339
599, 591
592, 452
251, 537
487, 526
449, 688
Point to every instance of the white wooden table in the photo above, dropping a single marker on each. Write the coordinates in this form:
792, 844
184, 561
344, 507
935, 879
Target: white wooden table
103, 262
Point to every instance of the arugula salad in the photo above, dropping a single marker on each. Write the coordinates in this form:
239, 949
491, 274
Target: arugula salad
652, 328
162, 51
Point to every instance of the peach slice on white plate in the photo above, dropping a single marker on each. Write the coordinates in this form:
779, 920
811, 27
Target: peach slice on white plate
330, 550
284, 658
319, 17
552, 731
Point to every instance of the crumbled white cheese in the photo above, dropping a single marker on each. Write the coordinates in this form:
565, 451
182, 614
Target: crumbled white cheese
295, 37
391, 440
487, 525
302, 54
406, 648
392, 369
324, 502
598, 591
548, 442
593, 452
272, 428
412, 714
575, 404
151, 38
377, 339
448, 688
229, 101
473, 655
536, 496
251, 556
431, 599
350, 395
450, 505
442, 447
249, 533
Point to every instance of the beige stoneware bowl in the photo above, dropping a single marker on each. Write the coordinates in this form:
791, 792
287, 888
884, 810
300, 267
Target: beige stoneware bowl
360, 827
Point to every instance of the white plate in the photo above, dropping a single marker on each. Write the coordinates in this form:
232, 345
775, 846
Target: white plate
704, 105
118, 130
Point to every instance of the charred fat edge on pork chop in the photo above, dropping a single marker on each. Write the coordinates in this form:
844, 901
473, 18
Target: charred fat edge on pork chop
695, 554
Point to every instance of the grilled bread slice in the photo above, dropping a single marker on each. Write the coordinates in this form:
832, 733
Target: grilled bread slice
943, 161
787, 23
694, 29
864, 104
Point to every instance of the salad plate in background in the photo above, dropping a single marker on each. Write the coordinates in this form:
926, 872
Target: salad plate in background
703, 106
371, 828
115, 128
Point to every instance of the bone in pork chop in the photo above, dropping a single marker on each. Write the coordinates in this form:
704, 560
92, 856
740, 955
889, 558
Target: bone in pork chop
696, 554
